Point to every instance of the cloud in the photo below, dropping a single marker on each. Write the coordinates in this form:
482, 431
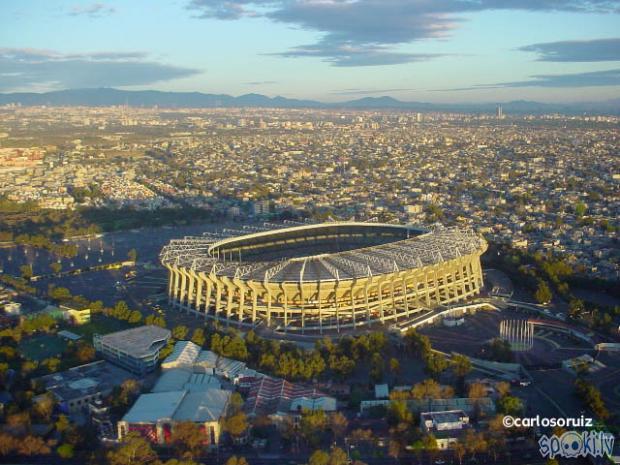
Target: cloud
227, 10
368, 91
353, 55
577, 50
260, 83
95, 10
32, 68
377, 23
609, 77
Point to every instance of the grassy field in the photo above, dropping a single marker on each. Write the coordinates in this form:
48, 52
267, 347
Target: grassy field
41, 347
99, 324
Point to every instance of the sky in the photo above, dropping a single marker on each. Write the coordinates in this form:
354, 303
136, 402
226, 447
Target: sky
328, 50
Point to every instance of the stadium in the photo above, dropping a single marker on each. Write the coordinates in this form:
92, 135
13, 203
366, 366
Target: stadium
331, 276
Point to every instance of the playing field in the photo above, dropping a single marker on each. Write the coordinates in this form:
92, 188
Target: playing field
41, 347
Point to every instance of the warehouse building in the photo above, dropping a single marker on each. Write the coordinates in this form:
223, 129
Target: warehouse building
155, 414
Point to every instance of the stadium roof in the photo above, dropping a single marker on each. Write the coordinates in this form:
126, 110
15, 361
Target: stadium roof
201, 254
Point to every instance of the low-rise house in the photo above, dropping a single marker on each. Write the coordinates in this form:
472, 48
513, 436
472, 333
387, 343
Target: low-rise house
77, 387
446, 426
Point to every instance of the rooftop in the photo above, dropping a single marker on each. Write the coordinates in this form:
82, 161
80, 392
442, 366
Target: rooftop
377, 251
84, 380
136, 341
202, 406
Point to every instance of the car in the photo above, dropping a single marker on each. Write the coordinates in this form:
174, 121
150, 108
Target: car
440, 462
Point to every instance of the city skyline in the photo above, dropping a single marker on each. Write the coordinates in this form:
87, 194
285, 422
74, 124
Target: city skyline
450, 51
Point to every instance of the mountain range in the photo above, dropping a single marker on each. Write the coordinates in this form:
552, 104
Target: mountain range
150, 98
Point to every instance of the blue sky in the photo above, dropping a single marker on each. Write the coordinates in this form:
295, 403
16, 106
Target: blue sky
330, 50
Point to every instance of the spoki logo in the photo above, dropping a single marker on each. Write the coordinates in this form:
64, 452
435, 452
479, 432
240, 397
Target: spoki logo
577, 444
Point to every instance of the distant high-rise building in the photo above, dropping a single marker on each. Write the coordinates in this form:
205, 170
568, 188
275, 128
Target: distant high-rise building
418, 117
500, 113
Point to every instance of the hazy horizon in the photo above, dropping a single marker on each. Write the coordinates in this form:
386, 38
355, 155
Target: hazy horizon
455, 51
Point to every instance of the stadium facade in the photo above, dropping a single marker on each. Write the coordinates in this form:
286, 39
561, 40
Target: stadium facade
322, 277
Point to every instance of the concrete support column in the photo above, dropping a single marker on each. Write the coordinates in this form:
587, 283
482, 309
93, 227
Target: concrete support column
353, 303
285, 308
197, 295
229, 301
320, 309
336, 306
191, 277
392, 295
182, 288
268, 307
405, 300
208, 296
218, 298
380, 293
176, 286
241, 303
366, 302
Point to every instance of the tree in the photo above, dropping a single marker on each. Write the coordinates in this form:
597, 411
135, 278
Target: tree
510, 405
65, 451
459, 452
121, 311
474, 442
236, 425
183, 462
60, 294
198, 337
394, 448
26, 271
129, 388
592, 398
435, 364
32, 445
85, 352
427, 389
376, 367
337, 457
338, 423
179, 332
312, 425
56, 267
7, 443
575, 308
502, 388
235, 404
234, 460
187, 439
398, 412
134, 450
51, 364
132, 255
477, 391
62, 424
461, 364
44, 407
580, 209
394, 366
543, 293
135, 317
319, 457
